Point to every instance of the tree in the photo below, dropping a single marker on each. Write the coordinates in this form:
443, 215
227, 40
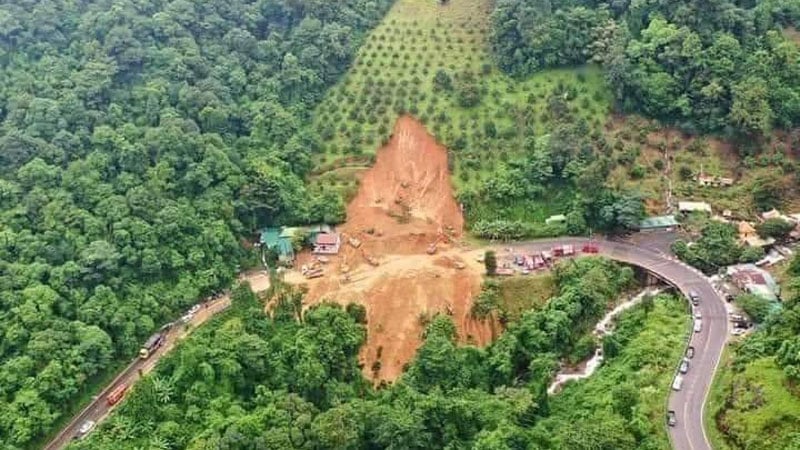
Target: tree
777, 228
756, 307
490, 262
767, 193
442, 80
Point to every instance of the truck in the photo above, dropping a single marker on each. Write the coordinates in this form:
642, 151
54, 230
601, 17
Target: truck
563, 250
591, 248
151, 345
116, 395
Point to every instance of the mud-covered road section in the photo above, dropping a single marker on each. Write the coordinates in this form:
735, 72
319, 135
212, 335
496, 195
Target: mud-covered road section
404, 204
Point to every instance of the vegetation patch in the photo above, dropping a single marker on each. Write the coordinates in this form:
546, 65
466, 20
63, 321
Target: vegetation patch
626, 396
761, 407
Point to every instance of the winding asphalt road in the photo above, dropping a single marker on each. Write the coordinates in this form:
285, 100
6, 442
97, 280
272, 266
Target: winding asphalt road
99, 408
689, 402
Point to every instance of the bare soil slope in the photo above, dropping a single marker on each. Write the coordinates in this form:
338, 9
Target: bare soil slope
404, 203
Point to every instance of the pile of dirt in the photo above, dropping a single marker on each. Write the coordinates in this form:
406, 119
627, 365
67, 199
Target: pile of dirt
407, 192
405, 203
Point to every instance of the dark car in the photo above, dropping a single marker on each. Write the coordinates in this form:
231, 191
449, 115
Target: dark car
672, 420
690, 352
694, 297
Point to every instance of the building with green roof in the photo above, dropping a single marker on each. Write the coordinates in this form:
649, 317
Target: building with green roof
279, 240
658, 223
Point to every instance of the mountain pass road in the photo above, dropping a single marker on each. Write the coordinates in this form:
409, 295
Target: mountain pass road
99, 408
688, 402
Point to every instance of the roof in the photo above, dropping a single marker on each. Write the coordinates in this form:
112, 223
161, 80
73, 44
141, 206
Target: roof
746, 228
328, 239
652, 223
694, 206
290, 232
756, 241
275, 239
556, 218
269, 236
755, 280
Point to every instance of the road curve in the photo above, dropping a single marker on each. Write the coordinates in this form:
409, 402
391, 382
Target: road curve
689, 402
99, 409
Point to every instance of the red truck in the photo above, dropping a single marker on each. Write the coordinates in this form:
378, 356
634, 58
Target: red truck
116, 395
591, 248
151, 345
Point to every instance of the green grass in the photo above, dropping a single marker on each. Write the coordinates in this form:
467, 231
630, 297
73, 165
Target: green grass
523, 293
756, 407
393, 74
653, 344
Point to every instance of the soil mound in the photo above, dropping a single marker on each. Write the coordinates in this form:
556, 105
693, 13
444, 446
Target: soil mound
404, 211
409, 185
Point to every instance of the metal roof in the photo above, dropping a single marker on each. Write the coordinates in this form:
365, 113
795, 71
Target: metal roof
652, 223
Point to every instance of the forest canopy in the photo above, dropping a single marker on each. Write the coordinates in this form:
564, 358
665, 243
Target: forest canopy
291, 381
719, 66
139, 142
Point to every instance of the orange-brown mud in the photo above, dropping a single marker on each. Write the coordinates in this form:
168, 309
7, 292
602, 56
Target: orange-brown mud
405, 202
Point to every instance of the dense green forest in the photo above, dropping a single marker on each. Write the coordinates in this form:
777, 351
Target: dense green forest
292, 382
140, 141
720, 66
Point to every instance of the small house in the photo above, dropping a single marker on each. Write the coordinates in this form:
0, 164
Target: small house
712, 180
690, 207
279, 241
754, 280
749, 236
327, 243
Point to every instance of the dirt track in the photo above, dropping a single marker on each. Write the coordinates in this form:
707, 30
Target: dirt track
404, 203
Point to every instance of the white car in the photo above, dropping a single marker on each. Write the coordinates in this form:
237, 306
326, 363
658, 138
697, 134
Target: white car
677, 383
194, 309
698, 326
738, 331
85, 428
698, 314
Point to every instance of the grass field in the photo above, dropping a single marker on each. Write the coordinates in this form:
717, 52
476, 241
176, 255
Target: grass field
523, 293
480, 117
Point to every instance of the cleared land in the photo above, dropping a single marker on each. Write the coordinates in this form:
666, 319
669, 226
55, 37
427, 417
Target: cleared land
655, 160
404, 203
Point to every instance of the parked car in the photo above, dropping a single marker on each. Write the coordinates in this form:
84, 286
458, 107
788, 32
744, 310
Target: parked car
690, 352
672, 420
694, 297
698, 326
698, 314
684, 366
677, 383
85, 429
194, 308
738, 331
